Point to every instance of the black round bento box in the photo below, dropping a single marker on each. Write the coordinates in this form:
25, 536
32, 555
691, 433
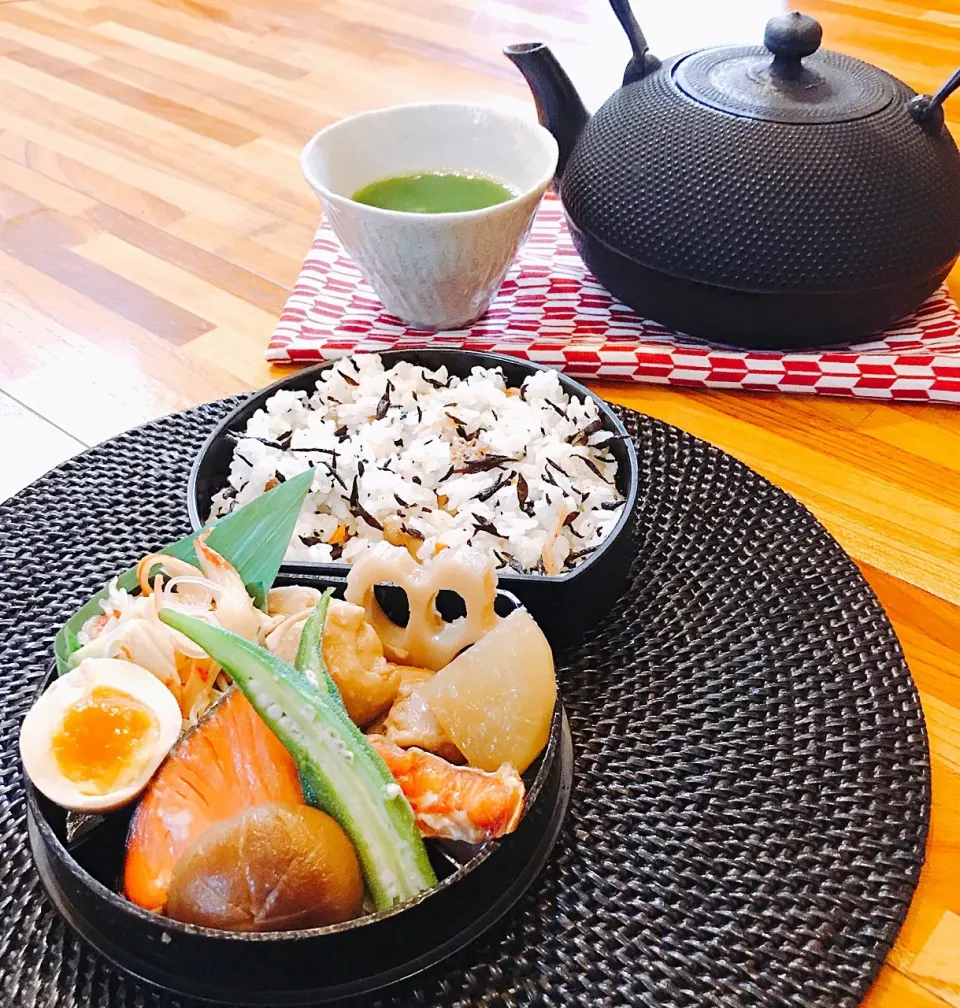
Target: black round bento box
477, 884
564, 605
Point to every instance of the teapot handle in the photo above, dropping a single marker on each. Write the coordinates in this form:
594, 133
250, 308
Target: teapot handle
927, 109
643, 61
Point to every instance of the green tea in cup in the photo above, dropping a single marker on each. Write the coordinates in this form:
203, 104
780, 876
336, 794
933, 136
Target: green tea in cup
432, 267
434, 192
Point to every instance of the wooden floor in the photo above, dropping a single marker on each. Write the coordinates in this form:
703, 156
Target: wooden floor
152, 218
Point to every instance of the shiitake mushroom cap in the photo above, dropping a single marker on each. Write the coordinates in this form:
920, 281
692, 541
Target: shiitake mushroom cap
271, 867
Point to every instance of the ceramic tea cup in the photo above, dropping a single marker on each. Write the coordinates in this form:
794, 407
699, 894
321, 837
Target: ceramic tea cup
432, 270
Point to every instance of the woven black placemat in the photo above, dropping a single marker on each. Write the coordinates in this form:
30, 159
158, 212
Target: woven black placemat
752, 789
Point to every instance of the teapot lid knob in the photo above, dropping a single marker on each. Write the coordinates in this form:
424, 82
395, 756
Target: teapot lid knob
792, 36
801, 84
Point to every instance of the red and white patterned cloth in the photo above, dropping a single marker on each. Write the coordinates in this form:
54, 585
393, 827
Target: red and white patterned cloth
551, 310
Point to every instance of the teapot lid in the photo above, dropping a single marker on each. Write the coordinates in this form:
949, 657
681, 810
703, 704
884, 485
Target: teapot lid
800, 84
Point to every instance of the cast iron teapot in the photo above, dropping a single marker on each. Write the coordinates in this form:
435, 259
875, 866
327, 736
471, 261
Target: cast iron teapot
764, 196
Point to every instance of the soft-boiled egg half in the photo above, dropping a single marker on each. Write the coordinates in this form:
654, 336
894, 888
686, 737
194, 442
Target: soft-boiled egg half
96, 736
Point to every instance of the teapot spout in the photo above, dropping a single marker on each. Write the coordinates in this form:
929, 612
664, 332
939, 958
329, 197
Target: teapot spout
559, 107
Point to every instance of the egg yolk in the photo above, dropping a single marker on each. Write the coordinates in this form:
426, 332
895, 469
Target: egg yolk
105, 740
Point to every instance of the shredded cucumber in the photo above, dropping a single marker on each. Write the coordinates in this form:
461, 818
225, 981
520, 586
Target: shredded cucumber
341, 772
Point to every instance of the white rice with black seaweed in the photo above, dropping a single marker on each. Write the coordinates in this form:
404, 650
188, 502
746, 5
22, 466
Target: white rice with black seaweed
429, 460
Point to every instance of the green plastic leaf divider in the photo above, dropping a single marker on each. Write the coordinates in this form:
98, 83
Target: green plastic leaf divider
254, 538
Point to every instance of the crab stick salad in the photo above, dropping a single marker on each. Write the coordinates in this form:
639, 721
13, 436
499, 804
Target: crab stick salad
288, 758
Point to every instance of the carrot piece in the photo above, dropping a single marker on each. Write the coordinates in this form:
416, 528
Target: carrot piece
454, 802
227, 762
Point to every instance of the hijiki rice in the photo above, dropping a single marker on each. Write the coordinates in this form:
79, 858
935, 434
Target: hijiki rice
430, 461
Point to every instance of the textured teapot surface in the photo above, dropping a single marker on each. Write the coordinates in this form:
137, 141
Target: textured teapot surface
762, 205
776, 195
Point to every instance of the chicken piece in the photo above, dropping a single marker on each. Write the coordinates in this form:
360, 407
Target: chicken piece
451, 802
412, 676
288, 608
353, 655
411, 722
351, 652
284, 638
292, 600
